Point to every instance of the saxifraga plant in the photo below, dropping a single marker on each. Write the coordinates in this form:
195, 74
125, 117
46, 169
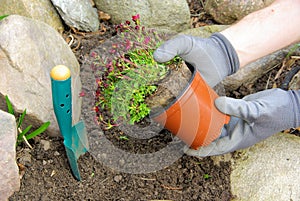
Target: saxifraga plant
129, 74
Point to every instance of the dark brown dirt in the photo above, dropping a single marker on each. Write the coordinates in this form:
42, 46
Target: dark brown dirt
46, 174
169, 87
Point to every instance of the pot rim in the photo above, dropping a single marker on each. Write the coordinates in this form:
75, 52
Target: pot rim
193, 71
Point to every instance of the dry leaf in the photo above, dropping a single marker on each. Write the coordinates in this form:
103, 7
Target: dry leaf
104, 16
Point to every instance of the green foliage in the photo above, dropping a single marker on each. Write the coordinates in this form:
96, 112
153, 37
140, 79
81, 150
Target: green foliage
207, 176
128, 99
129, 74
123, 137
293, 49
23, 135
3, 16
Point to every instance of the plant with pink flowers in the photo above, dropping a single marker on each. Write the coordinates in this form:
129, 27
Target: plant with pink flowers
126, 73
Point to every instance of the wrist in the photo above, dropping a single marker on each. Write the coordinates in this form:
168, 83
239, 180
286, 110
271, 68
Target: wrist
295, 102
265, 31
232, 61
242, 54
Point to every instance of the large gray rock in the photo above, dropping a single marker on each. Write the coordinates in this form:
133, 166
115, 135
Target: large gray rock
77, 13
204, 31
164, 15
268, 171
9, 172
29, 49
228, 11
41, 10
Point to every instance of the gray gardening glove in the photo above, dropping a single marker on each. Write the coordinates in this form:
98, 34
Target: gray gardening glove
254, 118
214, 57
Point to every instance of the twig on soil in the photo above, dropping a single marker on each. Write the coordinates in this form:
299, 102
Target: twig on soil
104, 180
52, 173
146, 179
268, 81
171, 187
160, 200
280, 70
78, 36
71, 41
295, 57
100, 31
202, 3
197, 15
286, 64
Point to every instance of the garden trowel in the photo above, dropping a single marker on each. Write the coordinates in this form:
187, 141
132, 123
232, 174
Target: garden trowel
75, 137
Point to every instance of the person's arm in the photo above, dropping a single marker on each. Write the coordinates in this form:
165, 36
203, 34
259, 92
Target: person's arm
256, 116
260, 115
265, 31
256, 35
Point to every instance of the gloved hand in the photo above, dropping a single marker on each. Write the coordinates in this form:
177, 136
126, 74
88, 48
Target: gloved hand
214, 57
254, 118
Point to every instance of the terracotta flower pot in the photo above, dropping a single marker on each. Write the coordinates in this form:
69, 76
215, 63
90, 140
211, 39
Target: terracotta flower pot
193, 116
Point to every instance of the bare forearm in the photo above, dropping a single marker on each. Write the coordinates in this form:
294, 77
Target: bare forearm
265, 31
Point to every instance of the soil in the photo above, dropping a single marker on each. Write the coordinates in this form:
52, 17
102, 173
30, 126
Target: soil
46, 175
169, 87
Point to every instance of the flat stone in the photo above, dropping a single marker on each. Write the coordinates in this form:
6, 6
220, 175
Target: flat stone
46, 144
171, 15
9, 171
25, 66
77, 13
41, 10
269, 170
229, 11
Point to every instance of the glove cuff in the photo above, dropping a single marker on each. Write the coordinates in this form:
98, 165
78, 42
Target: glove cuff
228, 49
295, 99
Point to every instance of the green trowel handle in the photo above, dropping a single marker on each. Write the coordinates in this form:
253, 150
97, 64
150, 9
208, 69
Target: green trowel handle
62, 103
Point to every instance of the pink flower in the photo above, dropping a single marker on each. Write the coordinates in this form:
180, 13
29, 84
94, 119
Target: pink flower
109, 64
82, 93
112, 51
147, 40
128, 44
126, 77
136, 17
96, 109
94, 54
110, 69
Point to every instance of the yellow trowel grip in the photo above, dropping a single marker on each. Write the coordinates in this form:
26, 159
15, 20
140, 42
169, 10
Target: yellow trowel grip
60, 73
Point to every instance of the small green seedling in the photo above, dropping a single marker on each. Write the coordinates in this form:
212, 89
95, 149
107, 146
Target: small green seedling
23, 135
123, 137
207, 176
3, 16
292, 50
